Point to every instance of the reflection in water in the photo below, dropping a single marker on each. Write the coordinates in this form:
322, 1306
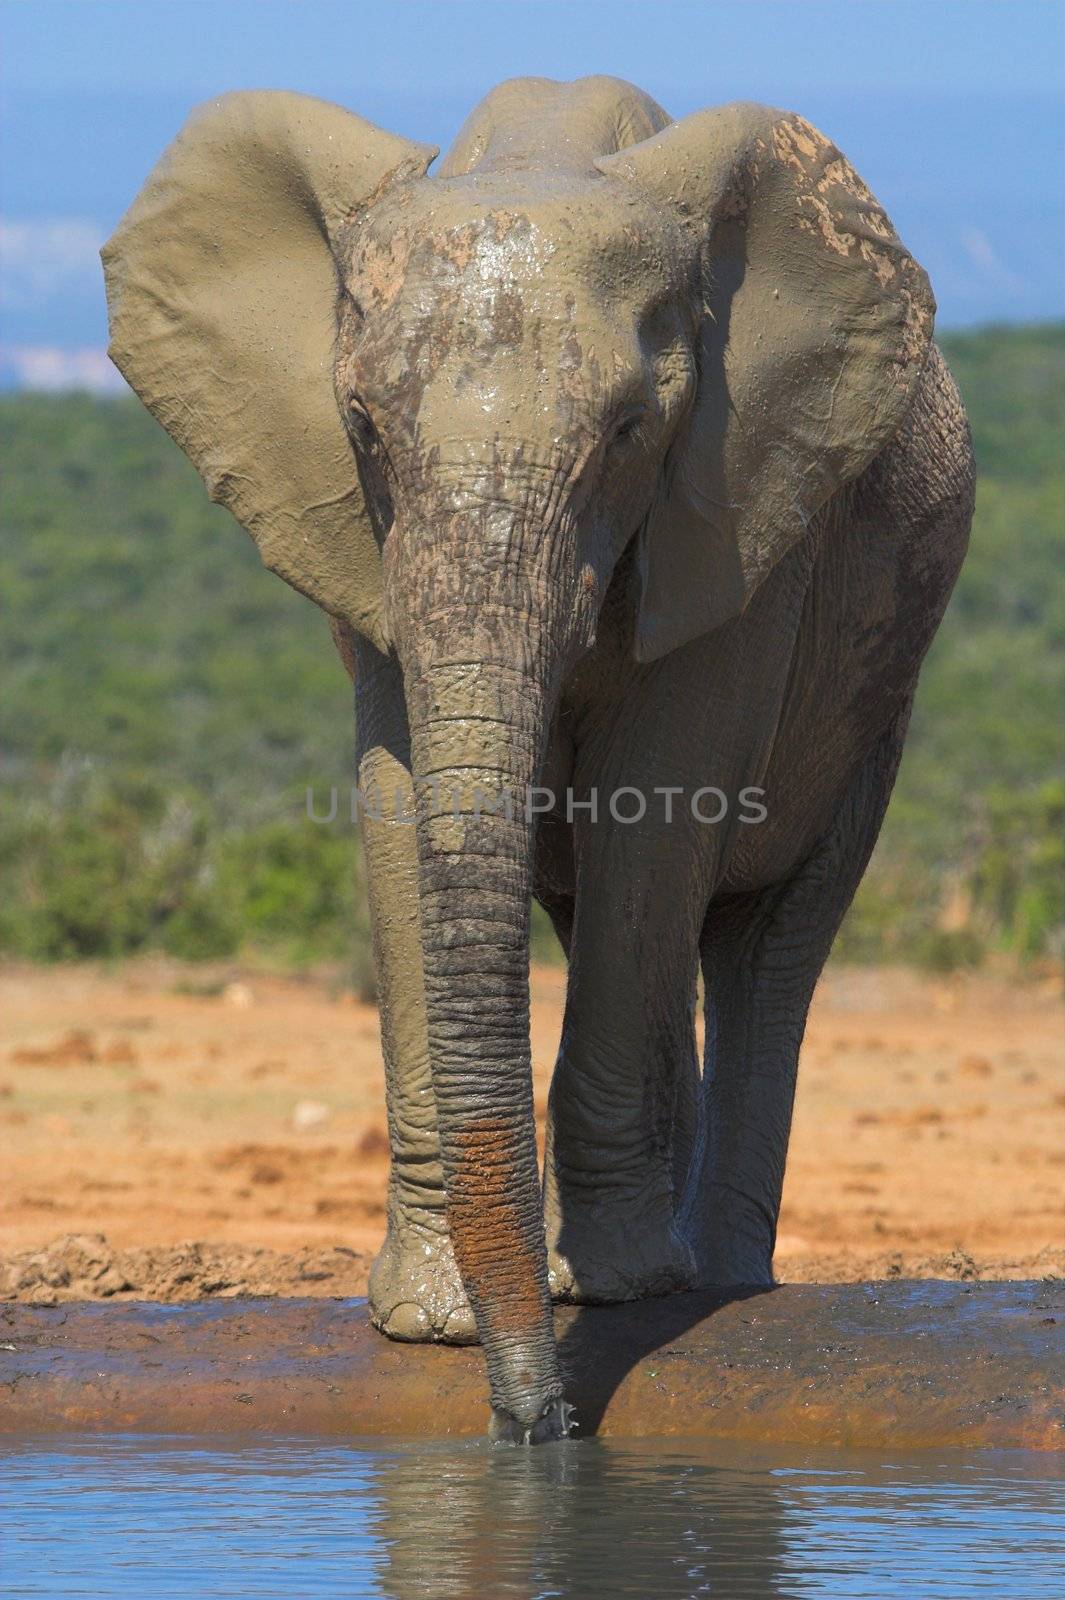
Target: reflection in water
121, 1517
593, 1520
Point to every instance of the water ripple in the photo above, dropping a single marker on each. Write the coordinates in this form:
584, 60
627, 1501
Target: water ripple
88, 1518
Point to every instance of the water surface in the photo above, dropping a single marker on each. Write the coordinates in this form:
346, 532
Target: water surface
89, 1517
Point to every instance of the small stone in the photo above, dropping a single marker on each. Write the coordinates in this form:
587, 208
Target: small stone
309, 1114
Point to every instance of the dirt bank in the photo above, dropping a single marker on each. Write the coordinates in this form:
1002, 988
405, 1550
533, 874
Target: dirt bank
173, 1133
882, 1368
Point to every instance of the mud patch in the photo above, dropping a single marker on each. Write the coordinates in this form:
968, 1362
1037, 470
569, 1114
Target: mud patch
870, 1365
84, 1266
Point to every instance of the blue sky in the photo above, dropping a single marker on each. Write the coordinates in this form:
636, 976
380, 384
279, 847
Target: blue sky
952, 110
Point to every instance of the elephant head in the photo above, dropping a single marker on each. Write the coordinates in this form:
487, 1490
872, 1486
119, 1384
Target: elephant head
445, 406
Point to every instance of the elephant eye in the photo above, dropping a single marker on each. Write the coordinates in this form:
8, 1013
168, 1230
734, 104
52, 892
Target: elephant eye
627, 426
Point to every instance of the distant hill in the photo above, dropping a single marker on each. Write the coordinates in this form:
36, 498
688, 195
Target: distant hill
166, 701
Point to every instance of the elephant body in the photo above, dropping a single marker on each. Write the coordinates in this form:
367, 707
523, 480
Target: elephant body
655, 486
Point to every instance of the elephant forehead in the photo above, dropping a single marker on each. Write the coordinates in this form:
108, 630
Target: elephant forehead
502, 248
451, 355
500, 372
478, 307
527, 240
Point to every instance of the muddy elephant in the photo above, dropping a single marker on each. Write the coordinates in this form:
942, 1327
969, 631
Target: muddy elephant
621, 458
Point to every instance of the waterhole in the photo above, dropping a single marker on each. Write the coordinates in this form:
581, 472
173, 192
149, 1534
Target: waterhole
89, 1517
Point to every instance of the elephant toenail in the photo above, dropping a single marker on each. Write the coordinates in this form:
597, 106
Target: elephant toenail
407, 1321
459, 1328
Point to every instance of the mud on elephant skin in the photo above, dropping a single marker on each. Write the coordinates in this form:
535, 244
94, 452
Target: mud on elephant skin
618, 452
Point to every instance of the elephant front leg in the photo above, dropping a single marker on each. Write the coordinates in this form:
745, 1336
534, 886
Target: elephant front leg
620, 1124
416, 1291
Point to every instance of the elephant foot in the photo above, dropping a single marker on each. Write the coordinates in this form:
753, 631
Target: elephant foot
416, 1293
601, 1255
732, 1242
726, 1268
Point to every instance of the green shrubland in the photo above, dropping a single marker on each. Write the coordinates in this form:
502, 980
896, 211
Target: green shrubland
166, 705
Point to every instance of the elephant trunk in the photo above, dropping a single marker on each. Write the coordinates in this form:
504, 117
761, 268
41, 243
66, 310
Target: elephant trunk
478, 732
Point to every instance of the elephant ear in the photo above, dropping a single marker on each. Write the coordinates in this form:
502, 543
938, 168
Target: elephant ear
222, 298
815, 324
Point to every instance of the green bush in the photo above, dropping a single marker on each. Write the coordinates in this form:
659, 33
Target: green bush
294, 885
103, 867
543, 941
947, 949
80, 880
203, 927
1019, 879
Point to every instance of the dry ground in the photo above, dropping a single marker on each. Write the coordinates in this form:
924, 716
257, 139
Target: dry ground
171, 1133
